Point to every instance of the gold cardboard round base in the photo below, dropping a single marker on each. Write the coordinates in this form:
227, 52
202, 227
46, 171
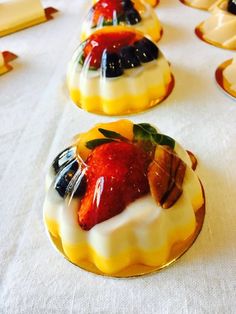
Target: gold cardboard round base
199, 34
152, 103
176, 252
222, 82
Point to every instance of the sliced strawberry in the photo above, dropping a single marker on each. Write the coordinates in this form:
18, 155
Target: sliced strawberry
106, 9
111, 41
116, 176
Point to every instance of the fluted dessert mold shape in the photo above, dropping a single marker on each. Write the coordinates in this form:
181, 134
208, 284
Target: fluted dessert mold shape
118, 71
135, 14
220, 28
123, 200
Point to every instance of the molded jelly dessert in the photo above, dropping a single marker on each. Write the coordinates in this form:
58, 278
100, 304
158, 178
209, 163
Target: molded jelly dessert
135, 14
118, 71
18, 14
226, 76
199, 4
122, 195
220, 28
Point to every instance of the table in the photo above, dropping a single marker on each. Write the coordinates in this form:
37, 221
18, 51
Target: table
37, 120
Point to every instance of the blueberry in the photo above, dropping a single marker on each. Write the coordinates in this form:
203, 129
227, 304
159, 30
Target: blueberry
146, 50
127, 4
70, 180
111, 64
63, 158
132, 17
129, 58
232, 6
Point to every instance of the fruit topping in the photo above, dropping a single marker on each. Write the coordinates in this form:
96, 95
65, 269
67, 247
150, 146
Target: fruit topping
165, 175
71, 180
232, 6
111, 64
112, 12
111, 42
146, 50
104, 10
132, 17
129, 58
63, 158
116, 176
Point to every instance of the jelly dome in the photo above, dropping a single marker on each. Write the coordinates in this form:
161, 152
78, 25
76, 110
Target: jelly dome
123, 195
220, 28
199, 4
226, 76
135, 14
116, 71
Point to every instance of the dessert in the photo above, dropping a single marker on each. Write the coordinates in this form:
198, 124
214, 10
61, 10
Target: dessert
5, 58
18, 14
118, 71
199, 4
226, 76
220, 28
123, 200
135, 14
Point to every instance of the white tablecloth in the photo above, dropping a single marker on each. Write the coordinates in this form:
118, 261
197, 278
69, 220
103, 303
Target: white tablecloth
37, 120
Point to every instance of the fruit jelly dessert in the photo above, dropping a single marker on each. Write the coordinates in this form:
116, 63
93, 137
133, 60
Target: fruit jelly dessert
117, 70
135, 14
220, 28
122, 194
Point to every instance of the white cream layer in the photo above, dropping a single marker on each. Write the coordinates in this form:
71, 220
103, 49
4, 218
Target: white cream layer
18, 12
133, 81
149, 22
142, 225
230, 74
220, 27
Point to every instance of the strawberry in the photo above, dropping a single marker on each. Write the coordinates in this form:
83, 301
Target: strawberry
116, 176
106, 9
109, 41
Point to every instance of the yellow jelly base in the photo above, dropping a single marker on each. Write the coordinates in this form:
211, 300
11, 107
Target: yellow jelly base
22, 26
122, 105
5, 69
137, 261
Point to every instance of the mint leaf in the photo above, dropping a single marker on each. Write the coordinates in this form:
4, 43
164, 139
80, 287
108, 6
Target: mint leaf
162, 139
146, 132
100, 141
112, 134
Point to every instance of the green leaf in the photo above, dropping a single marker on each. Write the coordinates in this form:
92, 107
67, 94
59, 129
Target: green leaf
146, 132
162, 139
147, 128
97, 142
112, 134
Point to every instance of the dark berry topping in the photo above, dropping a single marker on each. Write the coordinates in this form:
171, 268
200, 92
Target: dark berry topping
127, 4
63, 158
129, 58
132, 17
232, 6
146, 50
111, 64
70, 180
